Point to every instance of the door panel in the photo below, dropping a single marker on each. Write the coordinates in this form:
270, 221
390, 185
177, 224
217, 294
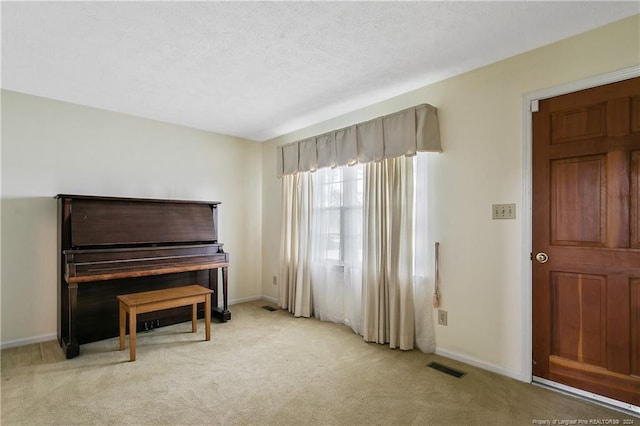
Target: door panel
635, 114
635, 199
579, 317
586, 218
578, 195
579, 123
635, 326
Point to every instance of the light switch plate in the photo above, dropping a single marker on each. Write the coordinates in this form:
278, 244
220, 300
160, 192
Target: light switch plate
504, 211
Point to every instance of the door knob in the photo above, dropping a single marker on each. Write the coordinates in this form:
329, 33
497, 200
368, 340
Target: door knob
542, 257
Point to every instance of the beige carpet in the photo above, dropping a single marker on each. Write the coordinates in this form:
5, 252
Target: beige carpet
265, 368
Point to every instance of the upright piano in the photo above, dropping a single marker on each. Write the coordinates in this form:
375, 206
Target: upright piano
109, 246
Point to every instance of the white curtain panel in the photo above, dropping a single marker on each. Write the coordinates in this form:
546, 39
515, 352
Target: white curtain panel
424, 261
337, 245
387, 284
295, 245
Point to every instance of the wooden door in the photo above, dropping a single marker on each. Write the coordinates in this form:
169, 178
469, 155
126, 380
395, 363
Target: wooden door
586, 219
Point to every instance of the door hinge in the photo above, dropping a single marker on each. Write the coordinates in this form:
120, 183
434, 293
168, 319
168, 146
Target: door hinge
535, 106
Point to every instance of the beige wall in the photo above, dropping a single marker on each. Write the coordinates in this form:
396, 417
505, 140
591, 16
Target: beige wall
481, 124
51, 147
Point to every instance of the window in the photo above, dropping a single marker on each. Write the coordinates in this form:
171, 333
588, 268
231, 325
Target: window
337, 214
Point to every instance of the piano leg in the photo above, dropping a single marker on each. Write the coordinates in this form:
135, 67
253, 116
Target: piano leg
69, 343
225, 307
219, 313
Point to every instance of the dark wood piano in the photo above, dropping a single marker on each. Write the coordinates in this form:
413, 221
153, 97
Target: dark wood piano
109, 246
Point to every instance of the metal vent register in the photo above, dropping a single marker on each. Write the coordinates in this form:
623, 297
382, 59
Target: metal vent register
446, 370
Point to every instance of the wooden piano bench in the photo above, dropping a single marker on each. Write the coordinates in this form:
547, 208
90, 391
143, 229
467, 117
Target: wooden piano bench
156, 300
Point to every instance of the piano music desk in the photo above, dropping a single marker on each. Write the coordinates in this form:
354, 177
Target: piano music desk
156, 300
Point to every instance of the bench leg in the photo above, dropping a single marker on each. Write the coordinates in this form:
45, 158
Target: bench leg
123, 325
132, 333
207, 316
194, 318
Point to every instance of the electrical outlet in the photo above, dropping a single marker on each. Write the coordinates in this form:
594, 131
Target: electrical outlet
442, 317
275, 280
503, 211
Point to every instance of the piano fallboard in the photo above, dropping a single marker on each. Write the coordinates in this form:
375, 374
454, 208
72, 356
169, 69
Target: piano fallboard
88, 265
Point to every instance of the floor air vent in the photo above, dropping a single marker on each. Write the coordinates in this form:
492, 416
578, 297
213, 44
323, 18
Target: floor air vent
447, 370
270, 308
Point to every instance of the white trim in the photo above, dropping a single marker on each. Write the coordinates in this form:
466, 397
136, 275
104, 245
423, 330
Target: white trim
535, 105
29, 340
588, 83
253, 299
480, 364
527, 220
244, 300
270, 299
591, 397
527, 243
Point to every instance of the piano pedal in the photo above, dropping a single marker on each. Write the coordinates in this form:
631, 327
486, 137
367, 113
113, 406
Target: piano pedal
150, 325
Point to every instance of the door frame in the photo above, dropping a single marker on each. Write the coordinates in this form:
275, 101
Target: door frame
529, 103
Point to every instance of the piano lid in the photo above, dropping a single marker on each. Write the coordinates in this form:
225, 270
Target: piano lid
111, 221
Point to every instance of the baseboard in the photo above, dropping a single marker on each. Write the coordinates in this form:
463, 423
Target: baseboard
253, 299
244, 300
28, 341
482, 364
270, 299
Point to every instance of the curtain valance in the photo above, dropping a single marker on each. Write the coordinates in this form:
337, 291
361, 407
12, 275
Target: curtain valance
402, 133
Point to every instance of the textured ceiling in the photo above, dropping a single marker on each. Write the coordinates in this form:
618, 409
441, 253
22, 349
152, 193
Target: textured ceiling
262, 69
